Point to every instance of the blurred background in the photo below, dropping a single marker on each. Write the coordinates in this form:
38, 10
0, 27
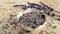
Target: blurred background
7, 9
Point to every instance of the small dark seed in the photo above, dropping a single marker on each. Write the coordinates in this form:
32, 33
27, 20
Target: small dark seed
11, 23
51, 9
30, 6
7, 25
24, 7
0, 22
16, 5
58, 19
43, 8
53, 14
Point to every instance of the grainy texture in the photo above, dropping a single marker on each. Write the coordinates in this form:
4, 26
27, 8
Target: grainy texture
52, 26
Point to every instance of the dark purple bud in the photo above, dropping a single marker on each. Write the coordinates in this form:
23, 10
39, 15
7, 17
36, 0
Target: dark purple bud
24, 7
51, 9
43, 4
33, 4
53, 14
30, 6
38, 8
43, 8
16, 5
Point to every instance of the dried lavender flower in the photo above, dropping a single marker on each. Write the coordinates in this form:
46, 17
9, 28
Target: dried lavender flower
32, 19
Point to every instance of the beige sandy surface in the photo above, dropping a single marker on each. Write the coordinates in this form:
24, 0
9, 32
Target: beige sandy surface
6, 9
